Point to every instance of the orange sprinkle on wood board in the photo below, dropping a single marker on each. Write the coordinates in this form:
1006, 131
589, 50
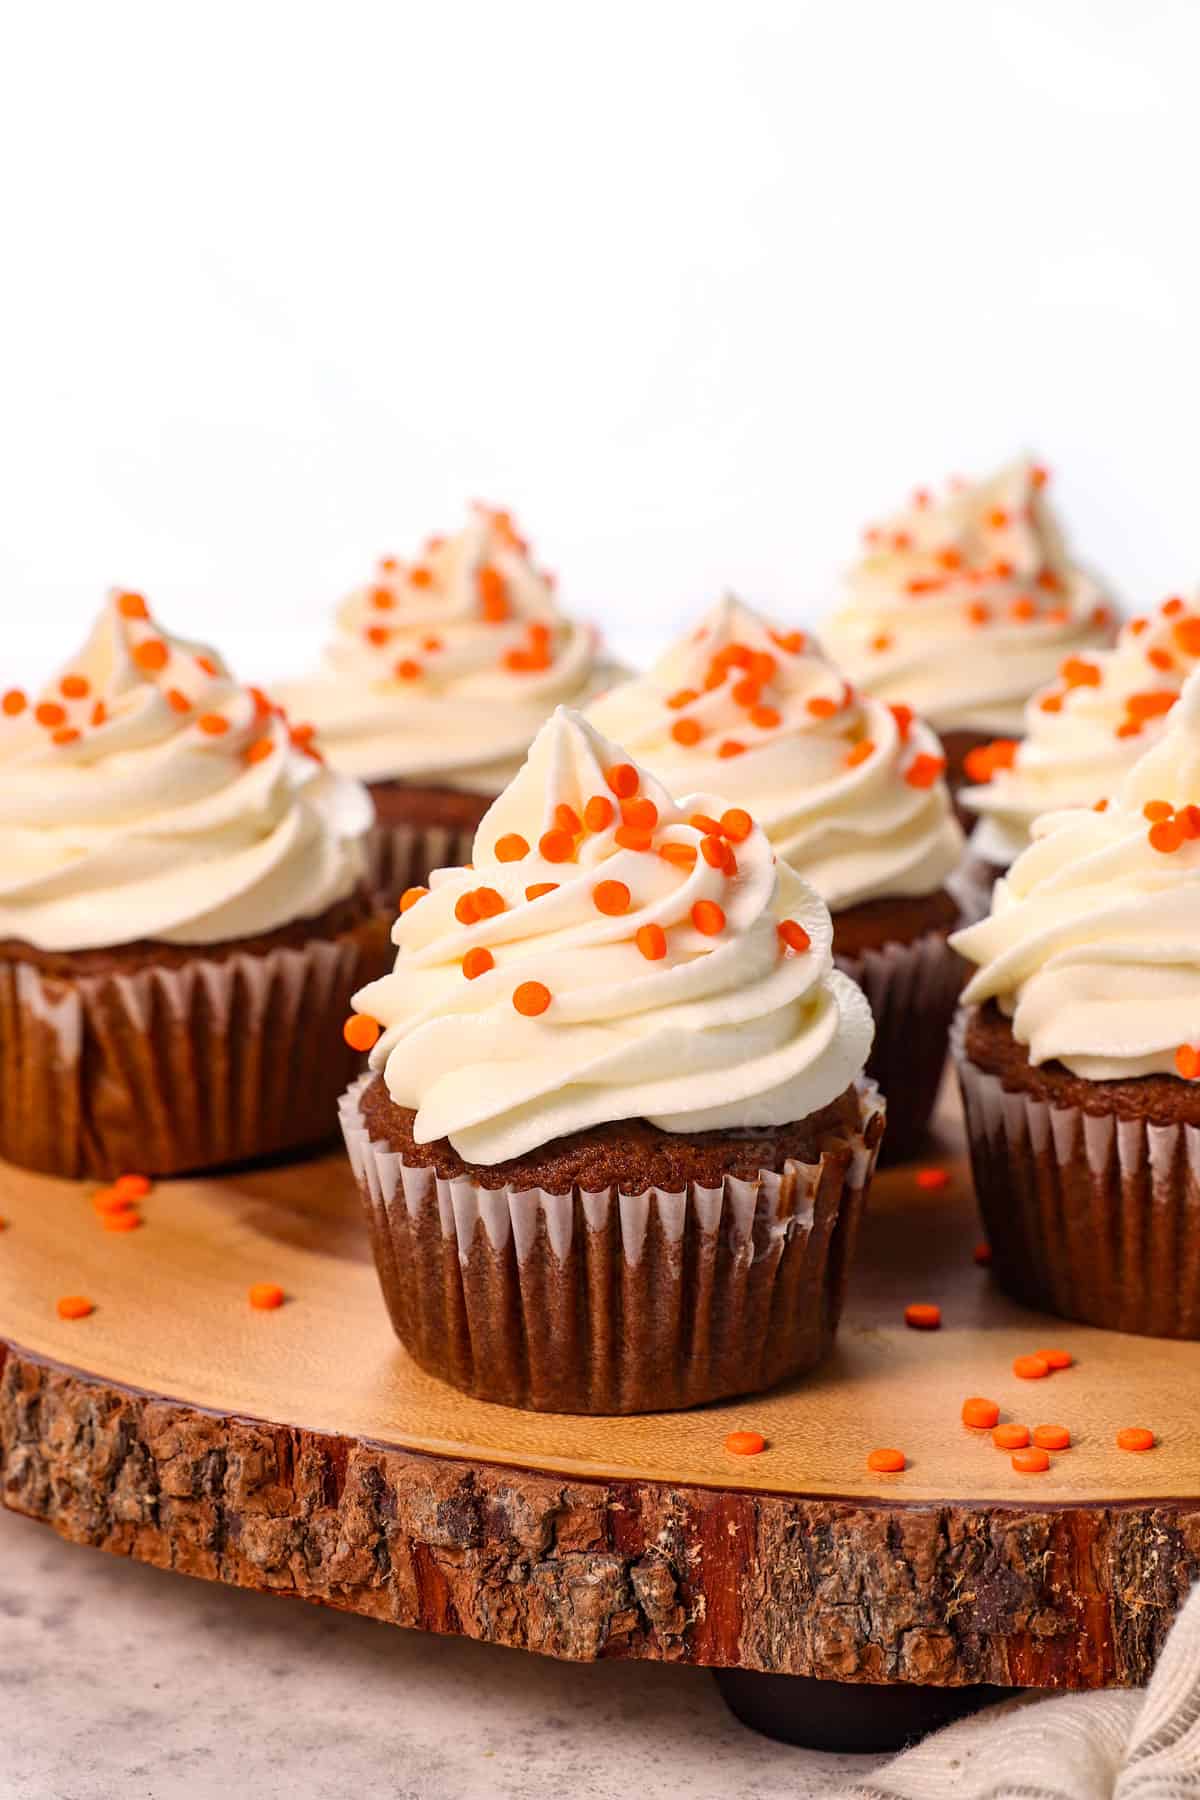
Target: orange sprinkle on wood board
886, 1462
922, 1317
1011, 1437
1030, 1462
745, 1443
932, 1179
1056, 1359
1052, 1437
74, 1306
1135, 1437
128, 1220
1031, 1368
265, 1296
979, 1413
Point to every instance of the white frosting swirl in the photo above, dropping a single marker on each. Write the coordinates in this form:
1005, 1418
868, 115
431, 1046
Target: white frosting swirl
1093, 943
841, 785
649, 1014
965, 607
442, 670
147, 795
1083, 733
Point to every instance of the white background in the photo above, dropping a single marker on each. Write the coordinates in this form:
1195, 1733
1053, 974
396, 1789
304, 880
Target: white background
695, 288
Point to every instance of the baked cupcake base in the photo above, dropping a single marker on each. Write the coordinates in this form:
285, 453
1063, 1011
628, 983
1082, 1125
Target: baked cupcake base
418, 829
1089, 1190
164, 1059
897, 951
623, 1269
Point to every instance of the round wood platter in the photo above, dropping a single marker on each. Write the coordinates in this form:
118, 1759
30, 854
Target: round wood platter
302, 1452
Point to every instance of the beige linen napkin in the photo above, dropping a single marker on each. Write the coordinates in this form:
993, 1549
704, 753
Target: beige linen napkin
1117, 1745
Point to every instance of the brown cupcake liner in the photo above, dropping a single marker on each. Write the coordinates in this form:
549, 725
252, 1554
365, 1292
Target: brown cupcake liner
401, 856
166, 1070
1094, 1218
609, 1302
913, 990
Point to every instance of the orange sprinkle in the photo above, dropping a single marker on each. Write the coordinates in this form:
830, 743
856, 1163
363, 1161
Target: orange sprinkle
377, 635
861, 753
1166, 836
1051, 703
931, 1179
651, 940
1189, 818
132, 606
125, 1220
1023, 608
265, 1296
407, 669
151, 656
793, 935
1031, 1368
556, 846
50, 714
641, 814
630, 838
706, 823
178, 700
924, 770
715, 852
567, 819
511, 847
1151, 704
903, 716
1100, 806
1056, 1359
922, 1317
1129, 728
1137, 626
791, 641
477, 962
74, 1306
132, 1187
979, 612
765, 717
622, 778
1077, 672
1186, 633
611, 897
1038, 476
419, 576
982, 1254
99, 713
539, 888
737, 824
746, 692
531, 998
108, 1200
207, 665
731, 747
493, 594
1173, 607
1157, 809
432, 644
213, 723
74, 687
259, 750
14, 702
1135, 1437
464, 909
980, 1413
1160, 659
361, 1031
822, 707
998, 518
886, 1462
1011, 1437
745, 1443
382, 599
686, 732
1051, 1437
681, 698
67, 735
883, 642
1187, 1061
681, 856
488, 903
599, 813
708, 917
1030, 1462
410, 896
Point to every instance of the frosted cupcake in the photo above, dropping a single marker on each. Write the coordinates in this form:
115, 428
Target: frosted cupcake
965, 606
849, 790
183, 914
1082, 734
440, 672
615, 1144
1078, 1052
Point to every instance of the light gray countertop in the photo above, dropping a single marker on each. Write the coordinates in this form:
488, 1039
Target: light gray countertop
121, 1682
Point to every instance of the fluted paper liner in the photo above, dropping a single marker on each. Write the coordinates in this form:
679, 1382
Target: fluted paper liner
913, 990
1095, 1218
166, 1069
608, 1302
401, 856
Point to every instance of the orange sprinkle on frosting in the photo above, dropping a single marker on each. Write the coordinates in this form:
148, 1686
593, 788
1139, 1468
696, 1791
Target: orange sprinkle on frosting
74, 687
14, 702
151, 656
651, 940
736, 824
50, 714
259, 750
599, 813
531, 999
556, 846
630, 838
793, 935
641, 814
132, 606
622, 778
680, 856
511, 847
477, 962
361, 1031
213, 724
821, 707
611, 898
410, 896
924, 770
539, 888
731, 747
1187, 1061
861, 753
708, 918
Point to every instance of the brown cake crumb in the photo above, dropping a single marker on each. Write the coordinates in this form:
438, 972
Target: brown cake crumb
1159, 1099
873, 923
407, 803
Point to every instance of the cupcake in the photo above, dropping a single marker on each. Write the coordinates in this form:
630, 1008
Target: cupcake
850, 791
966, 606
1082, 734
1078, 1057
183, 914
614, 1142
439, 674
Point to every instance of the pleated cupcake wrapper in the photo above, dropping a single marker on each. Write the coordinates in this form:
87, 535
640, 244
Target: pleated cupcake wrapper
913, 990
401, 856
166, 1070
608, 1302
1093, 1218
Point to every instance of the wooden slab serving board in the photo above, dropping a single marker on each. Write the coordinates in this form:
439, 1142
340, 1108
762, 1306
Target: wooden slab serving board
302, 1451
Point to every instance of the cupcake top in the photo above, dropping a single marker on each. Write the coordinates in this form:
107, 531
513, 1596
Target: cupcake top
441, 670
965, 606
849, 790
1093, 943
146, 795
611, 955
1082, 733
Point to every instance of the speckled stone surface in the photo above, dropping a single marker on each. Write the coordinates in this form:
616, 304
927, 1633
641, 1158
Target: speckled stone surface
125, 1683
